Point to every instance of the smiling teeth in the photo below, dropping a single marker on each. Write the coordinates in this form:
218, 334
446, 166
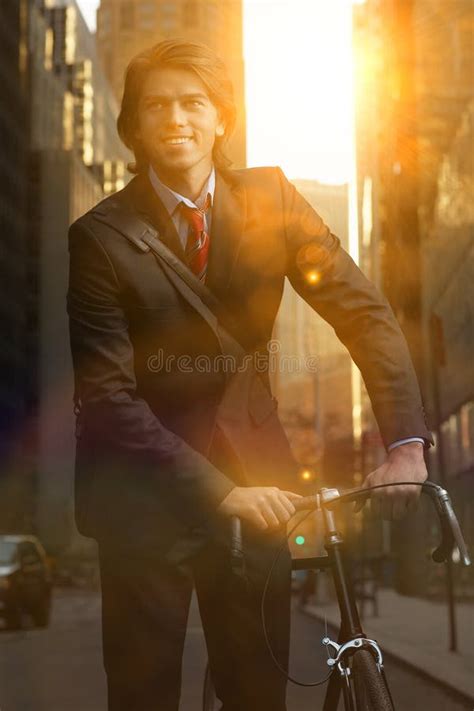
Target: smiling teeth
177, 140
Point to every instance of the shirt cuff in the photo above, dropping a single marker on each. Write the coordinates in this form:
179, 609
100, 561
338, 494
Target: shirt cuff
399, 442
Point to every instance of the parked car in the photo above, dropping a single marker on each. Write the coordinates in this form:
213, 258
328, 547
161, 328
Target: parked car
25, 581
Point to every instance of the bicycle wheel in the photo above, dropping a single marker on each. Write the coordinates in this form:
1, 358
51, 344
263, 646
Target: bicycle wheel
369, 685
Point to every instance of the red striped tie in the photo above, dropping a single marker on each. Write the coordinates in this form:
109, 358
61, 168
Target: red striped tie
197, 245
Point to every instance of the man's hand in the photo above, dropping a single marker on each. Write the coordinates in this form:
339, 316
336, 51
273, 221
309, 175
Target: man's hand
404, 463
267, 507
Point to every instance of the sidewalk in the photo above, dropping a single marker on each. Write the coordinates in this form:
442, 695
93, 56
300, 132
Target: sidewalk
416, 631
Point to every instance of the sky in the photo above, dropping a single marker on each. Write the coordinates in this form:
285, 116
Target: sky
88, 9
298, 85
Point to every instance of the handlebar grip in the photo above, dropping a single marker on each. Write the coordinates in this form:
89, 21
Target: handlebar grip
236, 545
452, 534
306, 503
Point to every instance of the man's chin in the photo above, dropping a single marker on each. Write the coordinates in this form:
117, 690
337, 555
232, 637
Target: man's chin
178, 163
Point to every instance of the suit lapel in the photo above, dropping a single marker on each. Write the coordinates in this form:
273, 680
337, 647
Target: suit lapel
148, 204
228, 219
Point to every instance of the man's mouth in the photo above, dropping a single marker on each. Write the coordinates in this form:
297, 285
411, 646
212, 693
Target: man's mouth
177, 140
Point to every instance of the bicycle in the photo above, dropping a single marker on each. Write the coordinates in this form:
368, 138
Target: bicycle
355, 661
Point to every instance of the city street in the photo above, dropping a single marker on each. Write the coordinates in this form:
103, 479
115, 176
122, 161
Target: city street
60, 669
237, 245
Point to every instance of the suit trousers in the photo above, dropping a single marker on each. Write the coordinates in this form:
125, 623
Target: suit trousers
145, 604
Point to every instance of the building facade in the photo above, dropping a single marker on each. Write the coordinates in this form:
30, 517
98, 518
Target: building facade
73, 158
415, 86
15, 390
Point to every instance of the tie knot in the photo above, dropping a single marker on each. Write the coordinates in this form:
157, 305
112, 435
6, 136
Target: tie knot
195, 215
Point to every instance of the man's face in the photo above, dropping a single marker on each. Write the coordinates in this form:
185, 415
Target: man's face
177, 123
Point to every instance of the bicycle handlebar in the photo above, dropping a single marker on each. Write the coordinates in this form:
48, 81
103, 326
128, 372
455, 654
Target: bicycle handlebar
451, 534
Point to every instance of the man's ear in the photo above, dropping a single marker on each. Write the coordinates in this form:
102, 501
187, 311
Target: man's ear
220, 128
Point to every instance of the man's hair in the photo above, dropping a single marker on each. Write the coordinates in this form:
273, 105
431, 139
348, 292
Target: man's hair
180, 54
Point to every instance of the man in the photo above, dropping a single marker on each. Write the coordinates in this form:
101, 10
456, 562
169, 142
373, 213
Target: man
156, 480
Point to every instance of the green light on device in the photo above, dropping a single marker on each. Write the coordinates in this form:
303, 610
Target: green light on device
300, 540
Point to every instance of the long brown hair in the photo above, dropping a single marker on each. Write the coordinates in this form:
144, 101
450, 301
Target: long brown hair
193, 56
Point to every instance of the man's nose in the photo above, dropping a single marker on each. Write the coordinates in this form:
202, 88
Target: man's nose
175, 116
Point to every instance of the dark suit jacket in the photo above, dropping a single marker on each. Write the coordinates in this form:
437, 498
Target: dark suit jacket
144, 471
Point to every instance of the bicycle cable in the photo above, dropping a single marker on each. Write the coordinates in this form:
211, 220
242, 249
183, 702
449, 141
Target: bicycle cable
262, 614
342, 497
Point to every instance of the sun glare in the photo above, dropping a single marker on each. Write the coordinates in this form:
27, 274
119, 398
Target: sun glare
298, 57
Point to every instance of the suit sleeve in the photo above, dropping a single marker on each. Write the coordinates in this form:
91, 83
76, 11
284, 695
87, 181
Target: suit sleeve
322, 272
103, 361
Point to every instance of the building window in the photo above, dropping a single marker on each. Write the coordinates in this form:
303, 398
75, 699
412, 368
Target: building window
212, 16
127, 16
451, 439
147, 16
147, 8
146, 23
48, 49
467, 434
190, 13
168, 17
68, 121
168, 8
70, 35
104, 22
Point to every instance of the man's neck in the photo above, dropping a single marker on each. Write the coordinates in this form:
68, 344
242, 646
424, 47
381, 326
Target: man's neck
187, 183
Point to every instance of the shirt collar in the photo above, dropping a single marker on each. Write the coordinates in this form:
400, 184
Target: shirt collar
172, 199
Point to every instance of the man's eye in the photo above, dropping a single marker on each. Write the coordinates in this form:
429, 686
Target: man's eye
196, 102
